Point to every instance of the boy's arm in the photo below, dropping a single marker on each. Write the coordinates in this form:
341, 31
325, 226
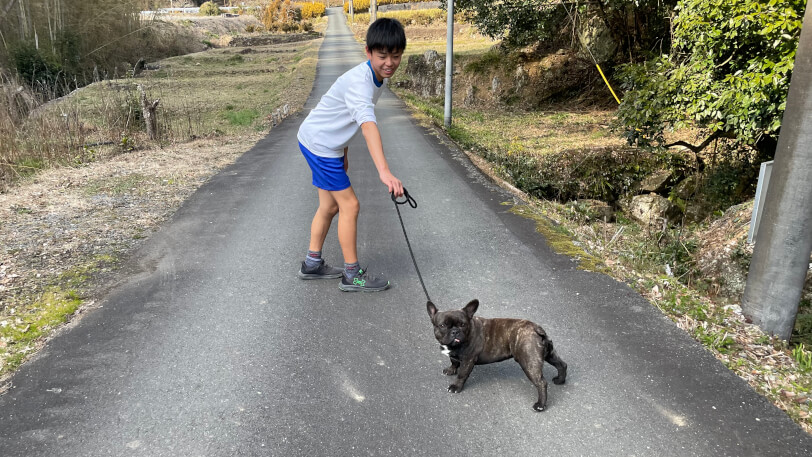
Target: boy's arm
375, 146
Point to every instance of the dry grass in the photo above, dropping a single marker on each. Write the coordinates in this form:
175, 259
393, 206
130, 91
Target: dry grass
422, 37
539, 133
227, 91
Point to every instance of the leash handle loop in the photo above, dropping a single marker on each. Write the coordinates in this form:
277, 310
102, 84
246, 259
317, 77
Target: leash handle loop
407, 199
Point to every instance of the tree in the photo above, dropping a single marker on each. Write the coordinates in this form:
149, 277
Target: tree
638, 26
728, 72
517, 22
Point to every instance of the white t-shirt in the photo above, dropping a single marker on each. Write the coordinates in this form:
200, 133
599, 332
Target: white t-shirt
350, 102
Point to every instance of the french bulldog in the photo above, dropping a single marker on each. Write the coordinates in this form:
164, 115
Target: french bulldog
470, 340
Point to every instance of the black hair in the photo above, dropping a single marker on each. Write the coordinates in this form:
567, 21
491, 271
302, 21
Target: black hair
386, 34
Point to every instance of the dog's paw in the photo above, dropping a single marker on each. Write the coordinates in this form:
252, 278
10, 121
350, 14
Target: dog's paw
538, 407
559, 380
454, 389
449, 371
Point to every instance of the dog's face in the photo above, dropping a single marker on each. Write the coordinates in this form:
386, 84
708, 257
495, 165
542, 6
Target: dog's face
452, 328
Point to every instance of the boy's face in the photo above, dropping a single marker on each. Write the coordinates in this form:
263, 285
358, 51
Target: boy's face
384, 63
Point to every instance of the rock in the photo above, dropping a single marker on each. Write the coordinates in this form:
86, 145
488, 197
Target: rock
597, 39
657, 182
433, 59
495, 85
695, 212
596, 210
470, 97
520, 77
686, 188
427, 73
723, 255
652, 209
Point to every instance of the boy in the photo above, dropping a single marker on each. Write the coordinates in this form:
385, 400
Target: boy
323, 139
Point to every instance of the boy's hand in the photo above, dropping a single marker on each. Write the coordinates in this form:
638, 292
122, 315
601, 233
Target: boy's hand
393, 183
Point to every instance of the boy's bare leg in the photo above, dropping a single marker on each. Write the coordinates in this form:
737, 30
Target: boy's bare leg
348, 208
328, 207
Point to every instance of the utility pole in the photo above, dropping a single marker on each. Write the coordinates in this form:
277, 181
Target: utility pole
449, 63
784, 240
373, 11
352, 13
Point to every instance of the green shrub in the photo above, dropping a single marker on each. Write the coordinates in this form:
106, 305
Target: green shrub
728, 72
34, 67
488, 61
209, 9
730, 181
290, 27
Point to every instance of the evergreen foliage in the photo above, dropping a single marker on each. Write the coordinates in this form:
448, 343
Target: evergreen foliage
638, 26
728, 72
209, 9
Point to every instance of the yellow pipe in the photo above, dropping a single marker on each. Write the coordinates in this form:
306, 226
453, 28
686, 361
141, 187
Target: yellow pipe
607, 83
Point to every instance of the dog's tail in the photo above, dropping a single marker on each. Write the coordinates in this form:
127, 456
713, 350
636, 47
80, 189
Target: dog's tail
547, 341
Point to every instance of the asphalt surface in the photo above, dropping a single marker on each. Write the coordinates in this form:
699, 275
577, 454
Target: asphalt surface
212, 346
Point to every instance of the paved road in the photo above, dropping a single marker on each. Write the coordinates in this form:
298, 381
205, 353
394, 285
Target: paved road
212, 347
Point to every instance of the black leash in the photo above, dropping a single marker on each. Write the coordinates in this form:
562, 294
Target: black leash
411, 201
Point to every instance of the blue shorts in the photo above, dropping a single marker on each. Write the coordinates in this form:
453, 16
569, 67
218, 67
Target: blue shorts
328, 172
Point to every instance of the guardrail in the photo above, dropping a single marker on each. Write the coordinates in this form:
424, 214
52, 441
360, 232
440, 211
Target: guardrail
190, 10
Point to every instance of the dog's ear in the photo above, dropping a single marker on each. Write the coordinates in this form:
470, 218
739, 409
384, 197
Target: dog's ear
431, 309
471, 308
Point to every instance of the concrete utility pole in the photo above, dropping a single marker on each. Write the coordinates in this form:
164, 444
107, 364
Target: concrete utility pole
784, 240
449, 64
373, 11
352, 14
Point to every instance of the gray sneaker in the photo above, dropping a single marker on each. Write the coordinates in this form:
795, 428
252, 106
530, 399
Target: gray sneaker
363, 282
322, 271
